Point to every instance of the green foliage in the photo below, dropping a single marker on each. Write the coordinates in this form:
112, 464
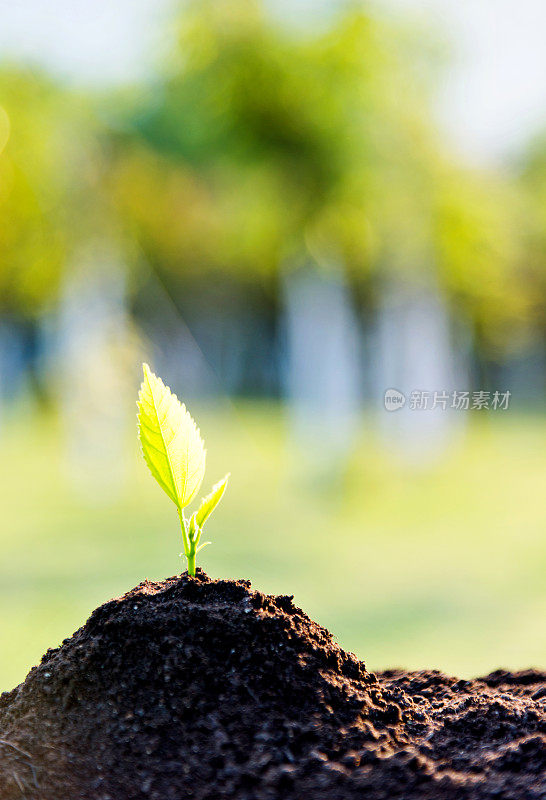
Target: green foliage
264, 147
533, 269
478, 244
33, 238
261, 146
51, 188
171, 442
209, 503
268, 147
175, 454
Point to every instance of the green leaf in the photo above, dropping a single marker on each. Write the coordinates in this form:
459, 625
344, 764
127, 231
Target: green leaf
171, 443
209, 503
193, 529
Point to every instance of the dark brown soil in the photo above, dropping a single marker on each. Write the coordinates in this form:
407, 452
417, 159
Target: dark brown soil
194, 688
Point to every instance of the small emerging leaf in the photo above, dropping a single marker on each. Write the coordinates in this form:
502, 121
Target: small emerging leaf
209, 503
171, 443
193, 530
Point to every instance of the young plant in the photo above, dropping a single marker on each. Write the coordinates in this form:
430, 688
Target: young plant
175, 454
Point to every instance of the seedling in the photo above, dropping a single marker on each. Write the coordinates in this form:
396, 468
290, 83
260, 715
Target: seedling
175, 454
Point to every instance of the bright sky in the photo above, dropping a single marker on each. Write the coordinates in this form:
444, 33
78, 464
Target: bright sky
494, 95
492, 99
104, 41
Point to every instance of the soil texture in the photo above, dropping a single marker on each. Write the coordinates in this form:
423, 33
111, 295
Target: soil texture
194, 689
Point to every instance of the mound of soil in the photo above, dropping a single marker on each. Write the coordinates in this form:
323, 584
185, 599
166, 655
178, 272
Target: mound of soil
195, 688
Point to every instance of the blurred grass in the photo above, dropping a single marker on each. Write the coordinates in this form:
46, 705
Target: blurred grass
442, 567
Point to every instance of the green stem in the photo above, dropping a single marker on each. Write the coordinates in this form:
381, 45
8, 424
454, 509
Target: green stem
190, 548
191, 562
185, 538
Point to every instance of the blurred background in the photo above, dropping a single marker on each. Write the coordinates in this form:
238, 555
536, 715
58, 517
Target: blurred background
287, 208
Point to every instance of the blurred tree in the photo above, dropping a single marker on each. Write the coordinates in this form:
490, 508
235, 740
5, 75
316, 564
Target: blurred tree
532, 181
262, 146
32, 184
52, 188
478, 235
